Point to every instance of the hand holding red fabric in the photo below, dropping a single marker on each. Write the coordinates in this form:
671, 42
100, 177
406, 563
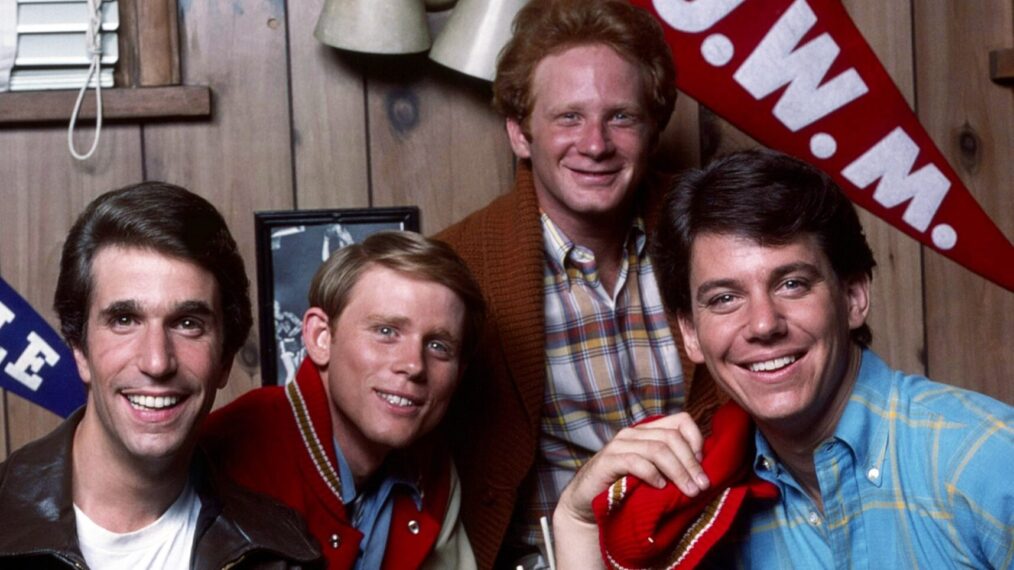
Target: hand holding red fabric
641, 526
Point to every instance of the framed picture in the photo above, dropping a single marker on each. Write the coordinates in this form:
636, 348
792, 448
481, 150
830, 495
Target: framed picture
291, 245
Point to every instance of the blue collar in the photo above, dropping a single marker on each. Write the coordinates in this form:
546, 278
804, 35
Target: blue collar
391, 474
863, 426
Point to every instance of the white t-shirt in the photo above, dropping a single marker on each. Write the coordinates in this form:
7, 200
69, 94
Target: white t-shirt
164, 544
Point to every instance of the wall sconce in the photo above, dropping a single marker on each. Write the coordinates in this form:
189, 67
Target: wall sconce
474, 35
374, 26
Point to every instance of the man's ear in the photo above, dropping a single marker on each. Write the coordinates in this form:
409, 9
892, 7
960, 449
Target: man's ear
226, 369
317, 336
857, 295
83, 369
690, 340
519, 141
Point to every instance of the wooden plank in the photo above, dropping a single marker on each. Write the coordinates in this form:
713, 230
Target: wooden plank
328, 117
192, 102
435, 141
719, 138
679, 146
126, 74
896, 317
241, 159
44, 190
969, 321
157, 43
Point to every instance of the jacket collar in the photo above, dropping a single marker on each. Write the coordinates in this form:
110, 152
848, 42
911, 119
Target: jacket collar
235, 523
36, 484
311, 410
518, 237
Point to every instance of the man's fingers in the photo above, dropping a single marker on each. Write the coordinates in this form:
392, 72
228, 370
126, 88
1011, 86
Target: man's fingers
629, 461
673, 457
681, 422
667, 449
601, 472
692, 434
674, 444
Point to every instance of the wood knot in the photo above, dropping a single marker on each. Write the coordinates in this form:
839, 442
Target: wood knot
249, 357
402, 110
969, 148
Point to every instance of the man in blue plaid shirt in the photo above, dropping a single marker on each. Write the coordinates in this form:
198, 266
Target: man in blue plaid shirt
765, 262
768, 265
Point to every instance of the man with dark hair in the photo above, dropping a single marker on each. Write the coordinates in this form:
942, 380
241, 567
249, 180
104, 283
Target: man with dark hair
350, 444
578, 344
153, 299
765, 262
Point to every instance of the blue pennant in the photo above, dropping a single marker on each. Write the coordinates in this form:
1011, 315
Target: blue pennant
34, 361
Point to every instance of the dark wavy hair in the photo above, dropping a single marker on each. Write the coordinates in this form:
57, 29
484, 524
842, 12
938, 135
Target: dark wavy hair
764, 196
164, 218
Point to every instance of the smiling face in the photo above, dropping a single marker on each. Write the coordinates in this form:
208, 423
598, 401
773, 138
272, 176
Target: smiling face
772, 324
390, 364
153, 359
589, 135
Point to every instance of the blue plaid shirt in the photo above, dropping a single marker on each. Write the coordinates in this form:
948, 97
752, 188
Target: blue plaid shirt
917, 475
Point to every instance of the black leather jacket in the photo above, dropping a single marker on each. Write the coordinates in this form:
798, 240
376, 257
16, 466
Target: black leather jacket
235, 529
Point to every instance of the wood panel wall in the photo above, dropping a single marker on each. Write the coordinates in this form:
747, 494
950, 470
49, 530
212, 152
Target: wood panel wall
299, 125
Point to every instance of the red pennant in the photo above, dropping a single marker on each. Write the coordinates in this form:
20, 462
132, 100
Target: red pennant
798, 76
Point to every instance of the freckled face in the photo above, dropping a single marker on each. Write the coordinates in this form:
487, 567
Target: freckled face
589, 133
392, 360
772, 324
153, 359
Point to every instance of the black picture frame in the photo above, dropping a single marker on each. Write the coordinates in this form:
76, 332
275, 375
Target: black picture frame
291, 245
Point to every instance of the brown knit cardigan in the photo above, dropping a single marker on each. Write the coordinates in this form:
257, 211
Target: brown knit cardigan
494, 422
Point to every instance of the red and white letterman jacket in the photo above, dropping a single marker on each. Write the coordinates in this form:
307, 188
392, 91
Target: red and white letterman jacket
278, 441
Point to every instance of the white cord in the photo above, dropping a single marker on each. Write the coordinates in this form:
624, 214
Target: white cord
93, 38
547, 536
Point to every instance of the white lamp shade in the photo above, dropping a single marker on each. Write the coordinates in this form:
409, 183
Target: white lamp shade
374, 26
438, 5
474, 36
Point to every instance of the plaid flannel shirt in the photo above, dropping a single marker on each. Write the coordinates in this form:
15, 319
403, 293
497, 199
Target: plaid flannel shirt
611, 361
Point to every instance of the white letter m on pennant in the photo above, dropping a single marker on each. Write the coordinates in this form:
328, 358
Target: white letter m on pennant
891, 161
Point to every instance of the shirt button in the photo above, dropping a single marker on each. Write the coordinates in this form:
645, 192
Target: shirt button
814, 518
413, 527
873, 474
765, 464
336, 541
